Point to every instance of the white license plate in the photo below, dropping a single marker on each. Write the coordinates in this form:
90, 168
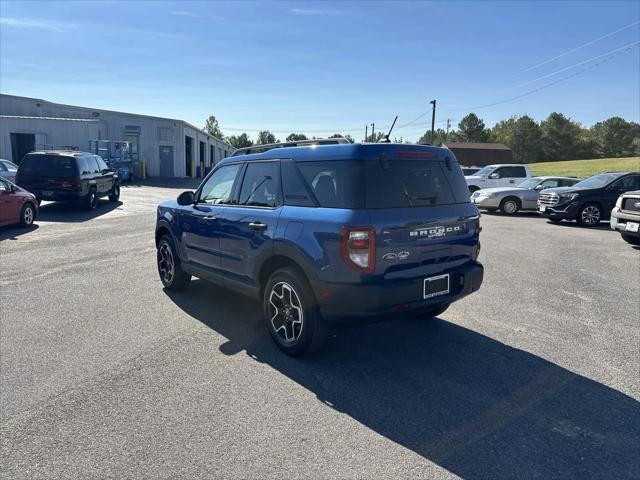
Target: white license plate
435, 286
632, 227
47, 193
542, 208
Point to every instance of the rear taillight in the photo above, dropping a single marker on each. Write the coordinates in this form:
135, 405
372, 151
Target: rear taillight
72, 183
358, 248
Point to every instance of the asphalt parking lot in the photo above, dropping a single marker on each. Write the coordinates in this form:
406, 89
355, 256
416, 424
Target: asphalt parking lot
104, 374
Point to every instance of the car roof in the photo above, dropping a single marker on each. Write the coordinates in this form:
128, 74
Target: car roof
350, 151
73, 153
548, 177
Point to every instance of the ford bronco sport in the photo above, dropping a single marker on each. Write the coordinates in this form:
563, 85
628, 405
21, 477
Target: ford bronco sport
326, 234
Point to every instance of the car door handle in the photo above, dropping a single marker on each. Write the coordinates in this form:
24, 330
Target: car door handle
512, 181
258, 225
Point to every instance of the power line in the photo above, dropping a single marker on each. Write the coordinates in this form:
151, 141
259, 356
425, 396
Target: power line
618, 52
580, 47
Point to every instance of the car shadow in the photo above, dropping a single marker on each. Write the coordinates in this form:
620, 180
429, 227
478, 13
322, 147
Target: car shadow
600, 226
12, 232
473, 405
519, 214
71, 212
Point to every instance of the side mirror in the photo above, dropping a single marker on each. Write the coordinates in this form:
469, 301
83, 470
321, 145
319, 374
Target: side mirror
494, 176
186, 198
538, 187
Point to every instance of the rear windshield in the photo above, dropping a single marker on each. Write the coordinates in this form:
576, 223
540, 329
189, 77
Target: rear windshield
49, 166
383, 184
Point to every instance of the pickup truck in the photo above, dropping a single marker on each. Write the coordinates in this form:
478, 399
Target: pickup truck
504, 175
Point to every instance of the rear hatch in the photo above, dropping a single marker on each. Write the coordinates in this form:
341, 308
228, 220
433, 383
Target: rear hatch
423, 219
47, 172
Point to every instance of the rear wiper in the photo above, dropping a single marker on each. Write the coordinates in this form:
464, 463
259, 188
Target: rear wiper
406, 194
431, 198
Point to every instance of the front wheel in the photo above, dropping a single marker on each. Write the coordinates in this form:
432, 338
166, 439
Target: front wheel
114, 196
169, 269
291, 313
590, 215
510, 206
27, 215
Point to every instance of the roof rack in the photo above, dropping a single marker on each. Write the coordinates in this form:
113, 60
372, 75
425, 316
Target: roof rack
298, 143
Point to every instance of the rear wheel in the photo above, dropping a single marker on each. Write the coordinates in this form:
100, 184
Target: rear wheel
291, 313
171, 274
631, 240
114, 196
27, 215
510, 206
91, 200
589, 215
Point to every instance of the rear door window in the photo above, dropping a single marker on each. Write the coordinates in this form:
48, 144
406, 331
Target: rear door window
296, 192
52, 166
101, 165
260, 185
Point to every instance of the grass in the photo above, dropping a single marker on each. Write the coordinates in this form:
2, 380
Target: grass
586, 168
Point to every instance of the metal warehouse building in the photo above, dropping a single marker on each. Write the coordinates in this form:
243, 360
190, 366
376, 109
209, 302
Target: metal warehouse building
168, 147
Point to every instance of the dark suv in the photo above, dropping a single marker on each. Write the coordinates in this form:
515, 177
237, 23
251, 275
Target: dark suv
327, 234
588, 201
68, 175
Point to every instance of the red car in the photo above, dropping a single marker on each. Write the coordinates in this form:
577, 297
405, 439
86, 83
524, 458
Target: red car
16, 205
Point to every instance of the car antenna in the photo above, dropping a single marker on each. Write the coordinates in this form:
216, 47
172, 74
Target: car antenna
385, 139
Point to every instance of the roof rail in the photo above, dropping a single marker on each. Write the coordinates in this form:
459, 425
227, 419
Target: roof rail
297, 143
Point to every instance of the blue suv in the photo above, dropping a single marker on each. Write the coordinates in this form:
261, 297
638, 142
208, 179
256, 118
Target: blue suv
327, 234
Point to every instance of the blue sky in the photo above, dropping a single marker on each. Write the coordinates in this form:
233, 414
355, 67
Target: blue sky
325, 67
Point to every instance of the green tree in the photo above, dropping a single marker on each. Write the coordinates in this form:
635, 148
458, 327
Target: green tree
240, 141
212, 127
615, 137
339, 135
375, 138
472, 129
523, 136
264, 137
295, 137
440, 137
562, 138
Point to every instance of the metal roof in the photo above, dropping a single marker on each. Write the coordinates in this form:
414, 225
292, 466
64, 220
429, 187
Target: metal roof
52, 118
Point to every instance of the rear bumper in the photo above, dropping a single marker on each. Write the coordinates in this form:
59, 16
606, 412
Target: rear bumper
567, 211
57, 195
365, 303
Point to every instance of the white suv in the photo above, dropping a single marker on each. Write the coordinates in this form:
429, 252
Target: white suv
503, 175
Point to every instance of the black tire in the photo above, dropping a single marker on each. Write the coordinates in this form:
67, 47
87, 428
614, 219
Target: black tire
291, 313
510, 206
171, 274
434, 311
27, 215
114, 196
589, 215
491, 210
91, 200
630, 240
555, 220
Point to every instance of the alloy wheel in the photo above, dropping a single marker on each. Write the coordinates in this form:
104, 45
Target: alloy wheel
285, 311
28, 215
590, 215
166, 264
510, 207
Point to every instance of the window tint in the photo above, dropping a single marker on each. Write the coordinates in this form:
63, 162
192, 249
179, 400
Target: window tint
83, 167
92, 164
260, 185
219, 188
294, 187
627, 183
11, 167
550, 184
49, 166
335, 184
511, 172
568, 183
101, 165
407, 183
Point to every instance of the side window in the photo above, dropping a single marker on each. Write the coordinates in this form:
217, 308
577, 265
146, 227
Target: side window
219, 188
101, 165
518, 172
4, 185
293, 186
568, 183
93, 165
627, 184
501, 172
260, 185
83, 168
550, 184
3, 167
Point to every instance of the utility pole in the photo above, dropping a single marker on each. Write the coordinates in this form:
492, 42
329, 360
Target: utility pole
433, 121
448, 126
366, 132
373, 132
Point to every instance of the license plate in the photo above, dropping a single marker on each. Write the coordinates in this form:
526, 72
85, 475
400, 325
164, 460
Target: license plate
632, 227
47, 193
542, 208
435, 286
